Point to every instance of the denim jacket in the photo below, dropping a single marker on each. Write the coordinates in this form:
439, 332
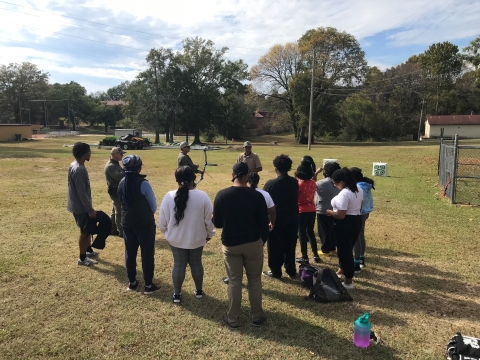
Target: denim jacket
367, 205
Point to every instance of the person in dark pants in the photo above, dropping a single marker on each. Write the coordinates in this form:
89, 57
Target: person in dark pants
326, 191
306, 209
113, 174
138, 206
347, 221
283, 238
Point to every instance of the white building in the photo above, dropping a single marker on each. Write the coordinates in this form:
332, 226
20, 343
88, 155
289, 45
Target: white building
466, 126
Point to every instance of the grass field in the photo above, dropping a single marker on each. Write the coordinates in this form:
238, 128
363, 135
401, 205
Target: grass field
421, 283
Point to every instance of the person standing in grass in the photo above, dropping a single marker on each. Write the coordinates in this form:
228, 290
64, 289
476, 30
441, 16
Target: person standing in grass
250, 158
347, 221
138, 207
366, 184
113, 174
326, 191
306, 211
283, 238
186, 220
79, 200
184, 158
242, 214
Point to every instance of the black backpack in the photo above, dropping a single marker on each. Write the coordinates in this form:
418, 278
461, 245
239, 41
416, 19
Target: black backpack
463, 348
327, 287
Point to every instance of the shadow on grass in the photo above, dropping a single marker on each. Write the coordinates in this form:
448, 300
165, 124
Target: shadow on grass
285, 329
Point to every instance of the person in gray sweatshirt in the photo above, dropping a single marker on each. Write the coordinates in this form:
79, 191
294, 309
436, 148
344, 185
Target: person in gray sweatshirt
325, 193
79, 201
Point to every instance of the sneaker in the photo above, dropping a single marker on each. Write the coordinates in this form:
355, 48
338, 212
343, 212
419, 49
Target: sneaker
198, 293
356, 268
317, 259
86, 262
302, 260
362, 262
348, 286
177, 298
233, 327
259, 323
320, 252
270, 274
226, 280
133, 286
150, 290
92, 253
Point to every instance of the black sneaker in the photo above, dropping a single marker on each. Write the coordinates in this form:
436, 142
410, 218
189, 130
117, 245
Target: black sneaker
150, 290
177, 298
198, 293
226, 280
317, 259
260, 322
302, 260
133, 286
270, 274
233, 327
356, 268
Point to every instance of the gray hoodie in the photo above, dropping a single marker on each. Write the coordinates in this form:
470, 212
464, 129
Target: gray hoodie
79, 193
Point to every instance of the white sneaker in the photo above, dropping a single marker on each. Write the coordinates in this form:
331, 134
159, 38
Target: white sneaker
86, 262
92, 253
348, 286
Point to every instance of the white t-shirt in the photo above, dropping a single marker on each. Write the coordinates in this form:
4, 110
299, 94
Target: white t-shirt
196, 225
348, 200
268, 198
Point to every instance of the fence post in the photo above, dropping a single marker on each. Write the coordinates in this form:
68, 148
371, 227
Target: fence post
439, 156
455, 159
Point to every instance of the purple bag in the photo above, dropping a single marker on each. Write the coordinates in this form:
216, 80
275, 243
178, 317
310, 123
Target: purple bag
307, 273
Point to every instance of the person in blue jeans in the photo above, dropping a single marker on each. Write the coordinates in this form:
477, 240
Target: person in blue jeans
367, 185
138, 206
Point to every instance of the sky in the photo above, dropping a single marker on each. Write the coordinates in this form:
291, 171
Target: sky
100, 43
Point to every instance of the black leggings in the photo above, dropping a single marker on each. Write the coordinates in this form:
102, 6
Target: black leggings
345, 233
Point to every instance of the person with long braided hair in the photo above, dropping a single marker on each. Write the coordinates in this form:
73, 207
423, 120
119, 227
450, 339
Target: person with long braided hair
347, 221
138, 207
186, 220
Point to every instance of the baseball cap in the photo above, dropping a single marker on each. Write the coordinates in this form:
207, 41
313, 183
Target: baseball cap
117, 150
247, 143
132, 163
184, 144
239, 169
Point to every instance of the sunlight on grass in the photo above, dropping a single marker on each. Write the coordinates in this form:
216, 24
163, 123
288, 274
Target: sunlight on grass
421, 279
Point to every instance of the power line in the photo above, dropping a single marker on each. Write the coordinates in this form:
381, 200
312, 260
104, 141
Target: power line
108, 25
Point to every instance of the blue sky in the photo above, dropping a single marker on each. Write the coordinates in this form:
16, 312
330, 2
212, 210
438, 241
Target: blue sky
102, 43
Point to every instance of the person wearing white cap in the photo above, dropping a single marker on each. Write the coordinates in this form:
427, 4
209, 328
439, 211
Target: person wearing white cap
114, 172
184, 159
250, 158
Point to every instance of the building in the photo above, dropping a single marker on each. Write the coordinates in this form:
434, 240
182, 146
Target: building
15, 132
446, 126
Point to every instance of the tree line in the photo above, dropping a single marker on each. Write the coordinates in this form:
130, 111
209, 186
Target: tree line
196, 90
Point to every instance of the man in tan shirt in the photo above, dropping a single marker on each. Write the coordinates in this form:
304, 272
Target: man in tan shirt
250, 158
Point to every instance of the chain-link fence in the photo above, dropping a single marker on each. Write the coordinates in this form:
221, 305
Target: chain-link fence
459, 172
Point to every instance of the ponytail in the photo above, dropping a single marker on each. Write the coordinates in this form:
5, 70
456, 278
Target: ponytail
253, 180
346, 176
184, 176
369, 181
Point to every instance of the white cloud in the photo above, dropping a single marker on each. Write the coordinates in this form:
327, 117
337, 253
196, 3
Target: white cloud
248, 27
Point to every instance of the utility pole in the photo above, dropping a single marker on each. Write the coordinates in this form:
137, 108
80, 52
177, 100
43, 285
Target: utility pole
20, 110
311, 105
420, 121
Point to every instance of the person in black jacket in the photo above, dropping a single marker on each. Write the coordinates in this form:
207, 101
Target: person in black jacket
283, 238
242, 214
138, 206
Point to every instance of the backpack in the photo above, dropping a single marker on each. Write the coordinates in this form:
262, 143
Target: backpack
463, 348
307, 274
327, 287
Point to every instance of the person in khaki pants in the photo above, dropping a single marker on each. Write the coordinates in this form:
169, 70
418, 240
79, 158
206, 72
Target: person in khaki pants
242, 214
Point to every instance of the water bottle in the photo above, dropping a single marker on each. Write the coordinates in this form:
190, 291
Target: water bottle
361, 331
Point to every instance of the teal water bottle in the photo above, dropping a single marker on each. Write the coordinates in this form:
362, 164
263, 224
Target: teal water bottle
361, 331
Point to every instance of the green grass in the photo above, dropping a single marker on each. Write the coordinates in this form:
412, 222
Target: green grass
420, 284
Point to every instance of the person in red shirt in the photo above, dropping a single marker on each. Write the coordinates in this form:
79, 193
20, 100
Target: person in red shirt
307, 212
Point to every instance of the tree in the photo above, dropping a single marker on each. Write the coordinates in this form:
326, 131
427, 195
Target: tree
118, 92
18, 84
273, 74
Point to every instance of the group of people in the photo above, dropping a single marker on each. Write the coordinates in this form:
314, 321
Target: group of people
249, 218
